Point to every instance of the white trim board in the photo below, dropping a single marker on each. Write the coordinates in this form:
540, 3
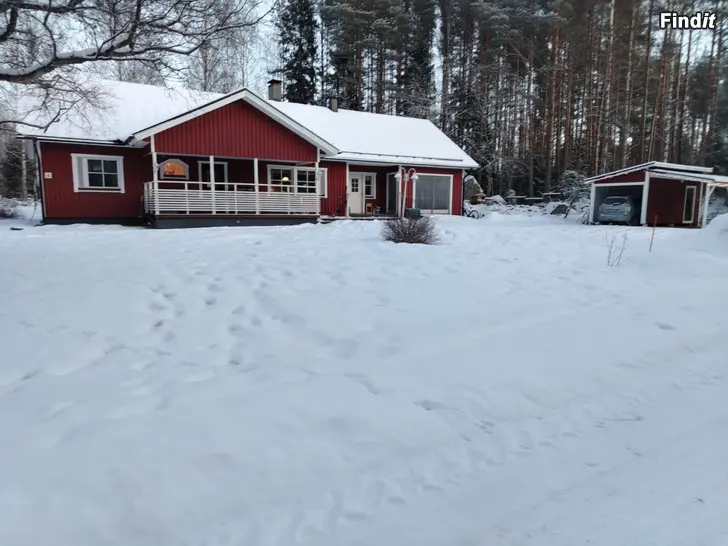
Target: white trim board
692, 209
253, 100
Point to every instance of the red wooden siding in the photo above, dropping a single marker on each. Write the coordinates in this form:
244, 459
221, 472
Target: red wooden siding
334, 204
235, 130
457, 186
62, 202
637, 176
666, 199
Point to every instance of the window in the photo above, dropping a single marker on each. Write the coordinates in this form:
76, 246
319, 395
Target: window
689, 205
370, 186
280, 179
433, 193
355, 184
101, 173
221, 171
173, 169
305, 180
296, 180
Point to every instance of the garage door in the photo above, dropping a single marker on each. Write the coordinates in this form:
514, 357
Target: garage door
432, 193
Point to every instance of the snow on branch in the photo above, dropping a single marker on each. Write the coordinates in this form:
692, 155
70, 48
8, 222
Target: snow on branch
37, 38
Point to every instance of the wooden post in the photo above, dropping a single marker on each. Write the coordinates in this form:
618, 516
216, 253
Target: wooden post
212, 182
654, 226
256, 185
318, 182
155, 175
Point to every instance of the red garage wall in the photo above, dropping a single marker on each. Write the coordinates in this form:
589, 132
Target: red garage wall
61, 202
666, 199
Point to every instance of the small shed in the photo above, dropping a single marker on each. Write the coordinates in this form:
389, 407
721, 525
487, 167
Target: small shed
669, 194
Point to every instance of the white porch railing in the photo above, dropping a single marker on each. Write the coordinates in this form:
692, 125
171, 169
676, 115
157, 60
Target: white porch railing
185, 197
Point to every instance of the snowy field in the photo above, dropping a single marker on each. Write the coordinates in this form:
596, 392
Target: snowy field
316, 386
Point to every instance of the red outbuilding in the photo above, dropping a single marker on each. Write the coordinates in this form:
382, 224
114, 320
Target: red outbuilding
179, 158
669, 194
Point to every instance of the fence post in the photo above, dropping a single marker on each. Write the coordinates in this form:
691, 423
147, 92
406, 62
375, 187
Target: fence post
654, 226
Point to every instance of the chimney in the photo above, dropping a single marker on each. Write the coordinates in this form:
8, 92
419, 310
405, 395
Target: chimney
333, 104
274, 90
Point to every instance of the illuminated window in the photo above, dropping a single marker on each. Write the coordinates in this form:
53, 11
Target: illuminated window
174, 169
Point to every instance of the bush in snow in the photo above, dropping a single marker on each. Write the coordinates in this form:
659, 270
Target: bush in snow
471, 188
411, 230
8, 208
615, 255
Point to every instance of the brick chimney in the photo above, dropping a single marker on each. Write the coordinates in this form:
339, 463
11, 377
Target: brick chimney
333, 104
274, 90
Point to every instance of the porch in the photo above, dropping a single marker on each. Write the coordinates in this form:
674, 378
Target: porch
223, 188
166, 198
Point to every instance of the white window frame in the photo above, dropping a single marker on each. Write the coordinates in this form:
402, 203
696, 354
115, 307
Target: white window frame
85, 188
685, 202
322, 181
174, 160
202, 162
414, 192
372, 195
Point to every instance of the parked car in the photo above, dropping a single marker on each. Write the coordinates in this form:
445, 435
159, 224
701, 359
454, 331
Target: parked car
623, 209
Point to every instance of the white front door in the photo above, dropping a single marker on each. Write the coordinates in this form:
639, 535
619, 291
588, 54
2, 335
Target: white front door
356, 193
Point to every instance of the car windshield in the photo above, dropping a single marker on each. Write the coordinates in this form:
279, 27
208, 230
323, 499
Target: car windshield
615, 200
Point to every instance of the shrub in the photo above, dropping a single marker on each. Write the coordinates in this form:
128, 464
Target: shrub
7, 208
411, 230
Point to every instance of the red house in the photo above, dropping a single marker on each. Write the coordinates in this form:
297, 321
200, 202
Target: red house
670, 194
179, 158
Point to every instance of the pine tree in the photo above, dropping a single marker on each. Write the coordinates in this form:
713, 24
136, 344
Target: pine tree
298, 27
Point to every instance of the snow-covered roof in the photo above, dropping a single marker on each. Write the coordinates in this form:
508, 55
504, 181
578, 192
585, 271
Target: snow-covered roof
127, 107
652, 166
363, 137
379, 138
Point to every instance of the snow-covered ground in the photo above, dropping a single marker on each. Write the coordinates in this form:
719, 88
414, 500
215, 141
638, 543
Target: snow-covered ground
316, 386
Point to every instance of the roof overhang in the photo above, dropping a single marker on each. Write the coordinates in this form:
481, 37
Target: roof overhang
383, 159
62, 140
671, 167
253, 100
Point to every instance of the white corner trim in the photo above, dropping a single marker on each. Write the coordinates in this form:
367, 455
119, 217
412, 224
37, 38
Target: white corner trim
253, 100
645, 198
592, 201
77, 188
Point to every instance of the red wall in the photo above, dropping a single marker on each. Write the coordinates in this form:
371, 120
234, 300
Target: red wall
235, 130
637, 176
334, 203
666, 199
61, 202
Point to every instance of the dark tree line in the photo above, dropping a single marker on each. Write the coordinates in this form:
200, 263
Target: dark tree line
532, 89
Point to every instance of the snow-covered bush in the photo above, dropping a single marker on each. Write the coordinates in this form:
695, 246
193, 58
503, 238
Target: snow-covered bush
8, 208
411, 230
471, 187
571, 184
